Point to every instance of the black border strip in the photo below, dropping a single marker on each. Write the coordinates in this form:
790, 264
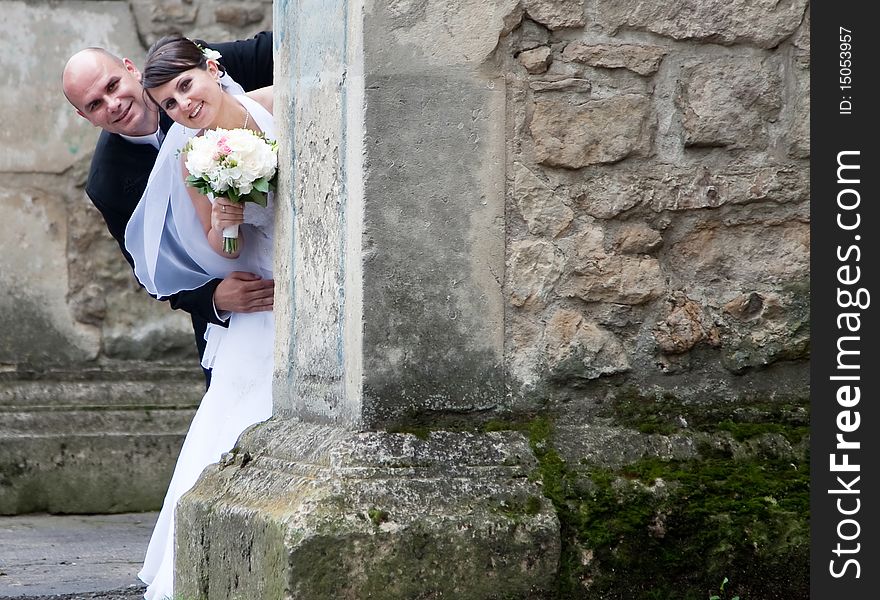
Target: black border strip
845, 369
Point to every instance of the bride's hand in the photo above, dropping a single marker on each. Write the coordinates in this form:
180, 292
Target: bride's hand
225, 213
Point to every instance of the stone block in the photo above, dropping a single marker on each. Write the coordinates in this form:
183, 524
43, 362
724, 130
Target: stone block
636, 238
729, 102
762, 24
544, 211
567, 84
641, 59
594, 132
534, 268
39, 38
613, 278
714, 255
307, 512
239, 15
762, 328
577, 349
684, 327
530, 35
536, 60
556, 14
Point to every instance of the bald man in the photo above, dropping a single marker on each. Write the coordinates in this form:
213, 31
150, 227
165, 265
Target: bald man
106, 90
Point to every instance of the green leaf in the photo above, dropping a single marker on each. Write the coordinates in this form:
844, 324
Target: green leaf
258, 197
233, 195
261, 184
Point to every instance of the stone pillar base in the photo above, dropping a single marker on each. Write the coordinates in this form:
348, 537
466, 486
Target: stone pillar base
309, 512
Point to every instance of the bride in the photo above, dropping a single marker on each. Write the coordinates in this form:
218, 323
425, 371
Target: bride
175, 240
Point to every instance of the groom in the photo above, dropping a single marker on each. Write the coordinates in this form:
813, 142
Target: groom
106, 90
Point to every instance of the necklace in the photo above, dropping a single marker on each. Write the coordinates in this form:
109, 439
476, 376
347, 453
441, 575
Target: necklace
247, 116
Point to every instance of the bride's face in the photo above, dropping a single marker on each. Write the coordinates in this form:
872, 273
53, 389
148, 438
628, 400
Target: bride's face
193, 98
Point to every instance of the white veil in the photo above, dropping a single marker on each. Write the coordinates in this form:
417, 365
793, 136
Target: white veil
165, 237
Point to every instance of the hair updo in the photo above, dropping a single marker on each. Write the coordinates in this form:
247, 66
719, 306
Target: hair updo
168, 58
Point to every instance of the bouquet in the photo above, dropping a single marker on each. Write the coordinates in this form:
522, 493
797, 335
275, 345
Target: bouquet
238, 164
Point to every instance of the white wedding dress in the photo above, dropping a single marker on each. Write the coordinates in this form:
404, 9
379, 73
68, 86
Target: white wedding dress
240, 356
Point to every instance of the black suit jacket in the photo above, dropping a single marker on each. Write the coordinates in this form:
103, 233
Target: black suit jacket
120, 170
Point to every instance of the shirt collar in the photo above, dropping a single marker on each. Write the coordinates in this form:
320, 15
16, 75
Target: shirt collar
152, 138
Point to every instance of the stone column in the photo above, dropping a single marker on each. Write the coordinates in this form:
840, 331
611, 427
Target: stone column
389, 316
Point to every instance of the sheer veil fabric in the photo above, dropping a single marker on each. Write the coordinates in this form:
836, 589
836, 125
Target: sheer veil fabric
171, 253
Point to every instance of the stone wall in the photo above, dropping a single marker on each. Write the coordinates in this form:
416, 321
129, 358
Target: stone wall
657, 288
658, 196
97, 381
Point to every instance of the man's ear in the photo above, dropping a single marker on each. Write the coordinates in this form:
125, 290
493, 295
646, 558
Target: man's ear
131, 68
79, 112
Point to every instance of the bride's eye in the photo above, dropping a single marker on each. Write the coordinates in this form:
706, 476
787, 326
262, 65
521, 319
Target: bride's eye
169, 104
184, 85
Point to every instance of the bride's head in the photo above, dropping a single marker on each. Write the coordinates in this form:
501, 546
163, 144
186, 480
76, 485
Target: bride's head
180, 79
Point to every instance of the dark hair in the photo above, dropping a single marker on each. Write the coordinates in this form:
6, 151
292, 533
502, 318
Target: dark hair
168, 58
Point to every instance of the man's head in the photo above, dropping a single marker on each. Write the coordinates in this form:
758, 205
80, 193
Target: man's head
106, 90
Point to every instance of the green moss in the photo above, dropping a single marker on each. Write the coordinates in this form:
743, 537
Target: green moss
673, 529
377, 516
744, 431
664, 413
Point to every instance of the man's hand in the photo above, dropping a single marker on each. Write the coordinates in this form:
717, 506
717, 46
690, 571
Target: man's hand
244, 292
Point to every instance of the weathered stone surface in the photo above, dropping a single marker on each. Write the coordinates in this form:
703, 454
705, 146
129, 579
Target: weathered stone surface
644, 60
536, 60
530, 35
764, 328
744, 254
310, 512
543, 210
575, 348
800, 42
589, 244
611, 447
609, 193
797, 135
620, 279
34, 315
178, 13
636, 238
684, 327
569, 84
595, 132
436, 35
685, 189
556, 14
92, 441
729, 102
534, 267
764, 23
239, 15
56, 136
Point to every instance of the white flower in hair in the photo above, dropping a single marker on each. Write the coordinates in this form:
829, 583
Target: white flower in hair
211, 54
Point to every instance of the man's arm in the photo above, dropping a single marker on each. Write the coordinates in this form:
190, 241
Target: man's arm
249, 62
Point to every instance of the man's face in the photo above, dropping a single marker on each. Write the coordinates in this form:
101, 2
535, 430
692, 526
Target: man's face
109, 94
